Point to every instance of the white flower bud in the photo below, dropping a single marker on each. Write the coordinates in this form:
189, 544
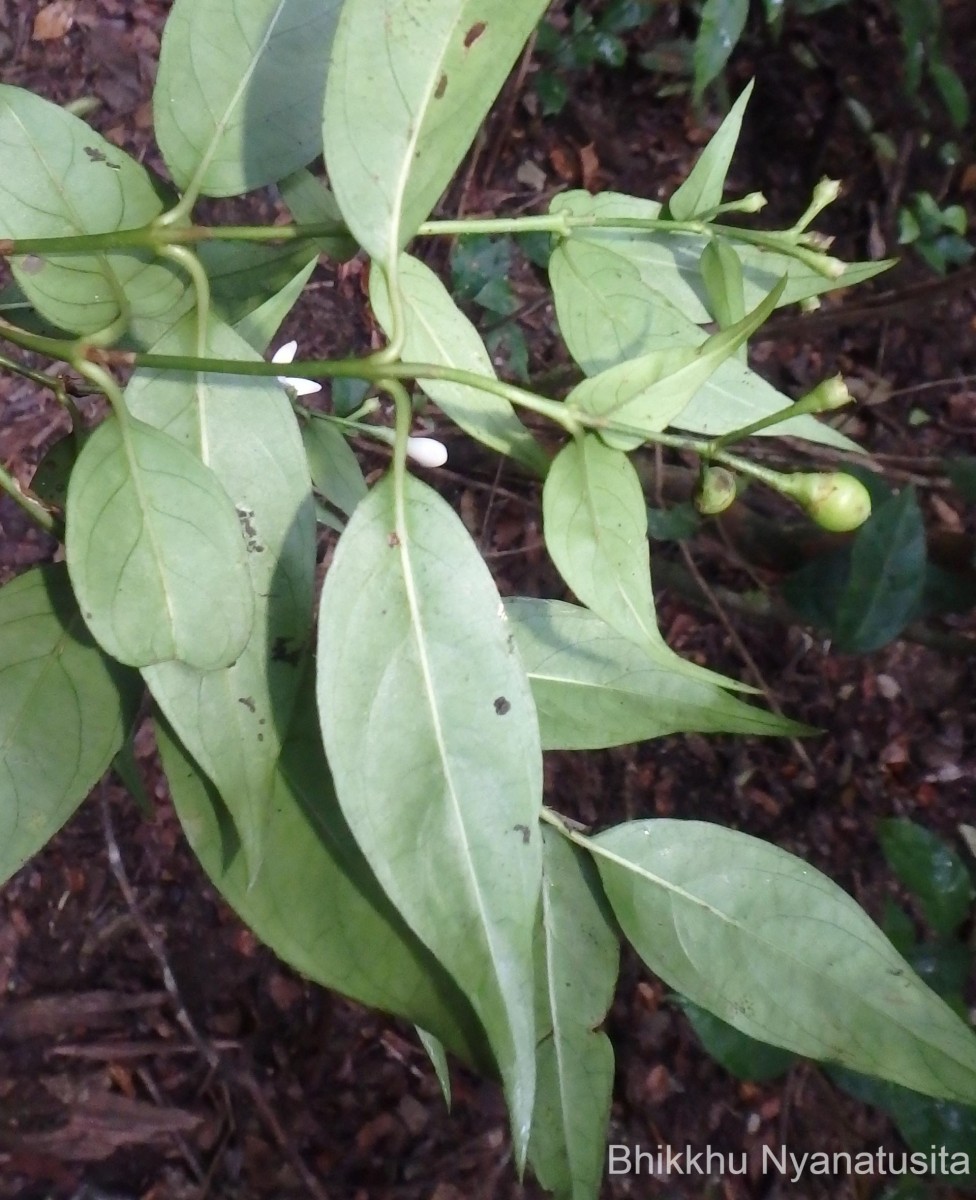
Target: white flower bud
426, 452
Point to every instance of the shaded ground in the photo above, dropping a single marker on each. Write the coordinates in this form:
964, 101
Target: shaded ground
226, 1075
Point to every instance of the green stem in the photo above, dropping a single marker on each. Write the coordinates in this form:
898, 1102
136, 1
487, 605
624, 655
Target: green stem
159, 234
572, 420
37, 511
188, 262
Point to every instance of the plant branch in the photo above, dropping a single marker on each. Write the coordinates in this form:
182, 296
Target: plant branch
39, 513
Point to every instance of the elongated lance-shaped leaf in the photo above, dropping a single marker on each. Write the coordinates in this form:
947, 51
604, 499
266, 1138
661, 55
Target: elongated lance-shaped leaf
779, 951
670, 263
58, 178
595, 523
239, 90
431, 734
155, 552
232, 720
64, 709
258, 327
650, 392
438, 332
318, 905
336, 473
701, 192
577, 956
594, 688
409, 85
608, 313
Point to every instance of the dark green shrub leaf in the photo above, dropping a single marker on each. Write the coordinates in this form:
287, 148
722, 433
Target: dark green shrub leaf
737, 1053
335, 469
722, 23
931, 870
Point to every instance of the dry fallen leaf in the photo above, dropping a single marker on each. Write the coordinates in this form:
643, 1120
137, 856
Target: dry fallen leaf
54, 20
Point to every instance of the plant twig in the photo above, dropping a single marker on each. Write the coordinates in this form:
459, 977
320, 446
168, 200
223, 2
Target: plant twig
743, 651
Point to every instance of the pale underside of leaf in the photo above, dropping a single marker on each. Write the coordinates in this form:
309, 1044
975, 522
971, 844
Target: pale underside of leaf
409, 85
240, 88
576, 970
52, 678
608, 315
438, 332
435, 754
59, 177
232, 720
594, 688
356, 943
155, 552
777, 950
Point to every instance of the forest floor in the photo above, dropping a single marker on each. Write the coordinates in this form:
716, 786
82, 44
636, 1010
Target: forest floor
227, 1075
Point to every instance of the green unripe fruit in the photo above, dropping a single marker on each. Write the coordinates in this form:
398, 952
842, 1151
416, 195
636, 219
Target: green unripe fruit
716, 491
837, 502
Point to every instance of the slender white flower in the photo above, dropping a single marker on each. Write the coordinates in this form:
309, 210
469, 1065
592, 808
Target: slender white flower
301, 387
427, 452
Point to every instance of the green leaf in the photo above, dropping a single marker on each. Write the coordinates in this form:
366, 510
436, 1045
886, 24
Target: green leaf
436, 754
577, 956
887, 575
930, 869
232, 720
722, 275
336, 473
257, 328
245, 275
722, 23
595, 527
64, 708
438, 1060
239, 90
781, 953
355, 943
480, 270
594, 688
596, 533
740, 1055
649, 393
311, 203
670, 263
608, 313
701, 192
155, 552
438, 332
962, 473
944, 1133
59, 178
409, 85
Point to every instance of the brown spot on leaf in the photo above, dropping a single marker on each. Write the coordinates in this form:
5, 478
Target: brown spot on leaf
502, 706
392, 540
475, 32
441, 87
